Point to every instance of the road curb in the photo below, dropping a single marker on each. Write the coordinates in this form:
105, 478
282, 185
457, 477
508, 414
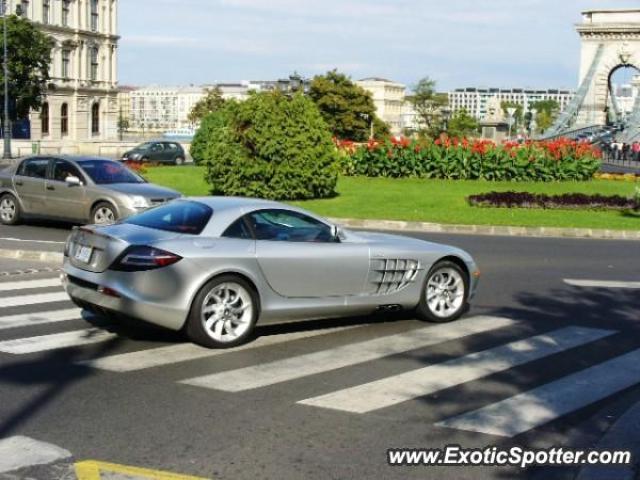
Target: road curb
543, 232
32, 255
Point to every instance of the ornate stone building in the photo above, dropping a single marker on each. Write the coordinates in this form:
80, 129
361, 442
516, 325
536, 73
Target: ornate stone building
83, 105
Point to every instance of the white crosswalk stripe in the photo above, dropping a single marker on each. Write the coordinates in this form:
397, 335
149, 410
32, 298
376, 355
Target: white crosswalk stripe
155, 357
38, 318
424, 381
541, 405
24, 300
335, 358
602, 284
27, 284
55, 341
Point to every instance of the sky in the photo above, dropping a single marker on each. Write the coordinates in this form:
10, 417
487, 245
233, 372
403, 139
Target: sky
458, 43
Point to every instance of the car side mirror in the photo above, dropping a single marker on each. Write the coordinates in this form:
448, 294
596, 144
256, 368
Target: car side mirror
73, 181
337, 234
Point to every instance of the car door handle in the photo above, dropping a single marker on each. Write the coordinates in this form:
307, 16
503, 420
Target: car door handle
50, 187
19, 183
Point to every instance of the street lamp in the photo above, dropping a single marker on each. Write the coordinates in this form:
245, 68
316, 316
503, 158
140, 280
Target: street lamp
511, 111
5, 66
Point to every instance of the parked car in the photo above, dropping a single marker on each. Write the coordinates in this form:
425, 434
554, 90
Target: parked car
217, 266
77, 189
160, 151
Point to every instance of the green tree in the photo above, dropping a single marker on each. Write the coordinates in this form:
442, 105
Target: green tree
29, 57
347, 108
429, 105
462, 124
211, 102
548, 111
271, 146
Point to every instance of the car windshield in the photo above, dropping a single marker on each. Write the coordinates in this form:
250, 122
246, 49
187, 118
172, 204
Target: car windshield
180, 216
105, 172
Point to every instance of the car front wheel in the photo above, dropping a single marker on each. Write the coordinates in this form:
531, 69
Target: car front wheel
445, 293
224, 313
9, 210
103, 214
179, 160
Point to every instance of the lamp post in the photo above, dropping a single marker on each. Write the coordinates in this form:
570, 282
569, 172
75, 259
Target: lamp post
5, 67
511, 111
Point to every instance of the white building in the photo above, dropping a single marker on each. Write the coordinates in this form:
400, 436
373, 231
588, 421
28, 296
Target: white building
83, 104
474, 100
159, 109
389, 99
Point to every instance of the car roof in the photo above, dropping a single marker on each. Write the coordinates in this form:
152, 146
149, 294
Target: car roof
72, 158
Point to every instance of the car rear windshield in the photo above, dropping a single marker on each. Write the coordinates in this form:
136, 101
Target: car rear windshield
105, 172
179, 216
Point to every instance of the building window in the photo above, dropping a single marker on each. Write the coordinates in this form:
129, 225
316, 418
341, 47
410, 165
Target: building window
66, 56
44, 119
93, 74
45, 11
64, 119
24, 8
66, 8
95, 118
94, 15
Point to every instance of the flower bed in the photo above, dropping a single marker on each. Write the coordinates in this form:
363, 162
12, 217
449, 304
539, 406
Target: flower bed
472, 159
564, 201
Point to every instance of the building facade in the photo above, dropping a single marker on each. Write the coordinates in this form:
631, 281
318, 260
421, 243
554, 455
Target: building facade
83, 105
474, 100
389, 99
159, 109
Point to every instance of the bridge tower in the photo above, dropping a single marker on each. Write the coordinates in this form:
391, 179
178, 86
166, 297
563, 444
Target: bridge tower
610, 40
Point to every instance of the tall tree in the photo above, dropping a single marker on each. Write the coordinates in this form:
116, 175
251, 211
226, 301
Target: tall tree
347, 109
429, 105
28, 58
462, 124
548, 111
211, 102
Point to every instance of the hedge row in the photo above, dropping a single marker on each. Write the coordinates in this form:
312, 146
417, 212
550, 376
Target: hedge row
564, 201
480, 159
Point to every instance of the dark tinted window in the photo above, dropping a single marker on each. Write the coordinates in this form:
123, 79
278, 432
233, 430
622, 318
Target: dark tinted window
104, 172
34, 167
63, 169
288, 226
238, 229
180, 217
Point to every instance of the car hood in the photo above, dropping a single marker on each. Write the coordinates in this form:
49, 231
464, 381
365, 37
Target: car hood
148, 190
409, 243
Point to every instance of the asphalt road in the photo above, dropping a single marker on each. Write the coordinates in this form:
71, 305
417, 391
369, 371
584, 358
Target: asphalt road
160, 417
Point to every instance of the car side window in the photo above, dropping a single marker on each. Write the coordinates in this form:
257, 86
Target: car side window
238, 229
288, 226
171, 146
34, 168
63, 169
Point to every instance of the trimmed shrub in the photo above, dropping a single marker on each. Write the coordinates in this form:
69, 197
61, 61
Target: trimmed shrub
479, 159
564, 201
269, 146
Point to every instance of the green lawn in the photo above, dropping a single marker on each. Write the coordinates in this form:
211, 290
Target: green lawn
440, 201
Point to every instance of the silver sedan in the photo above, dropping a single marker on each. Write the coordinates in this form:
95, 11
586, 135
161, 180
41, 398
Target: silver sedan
216, 266
78, 189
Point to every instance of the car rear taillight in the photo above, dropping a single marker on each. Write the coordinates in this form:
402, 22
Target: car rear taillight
140, 258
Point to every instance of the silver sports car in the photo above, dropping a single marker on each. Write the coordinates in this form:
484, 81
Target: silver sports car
216, 266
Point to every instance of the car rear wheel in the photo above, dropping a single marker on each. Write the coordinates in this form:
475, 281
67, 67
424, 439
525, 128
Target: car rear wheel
445, 293
104, 214
224, 313
9, 210
179, 160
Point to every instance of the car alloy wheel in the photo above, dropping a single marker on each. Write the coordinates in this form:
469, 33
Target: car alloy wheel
179, 160
227, 312
8, 209
104, 215
445, 292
